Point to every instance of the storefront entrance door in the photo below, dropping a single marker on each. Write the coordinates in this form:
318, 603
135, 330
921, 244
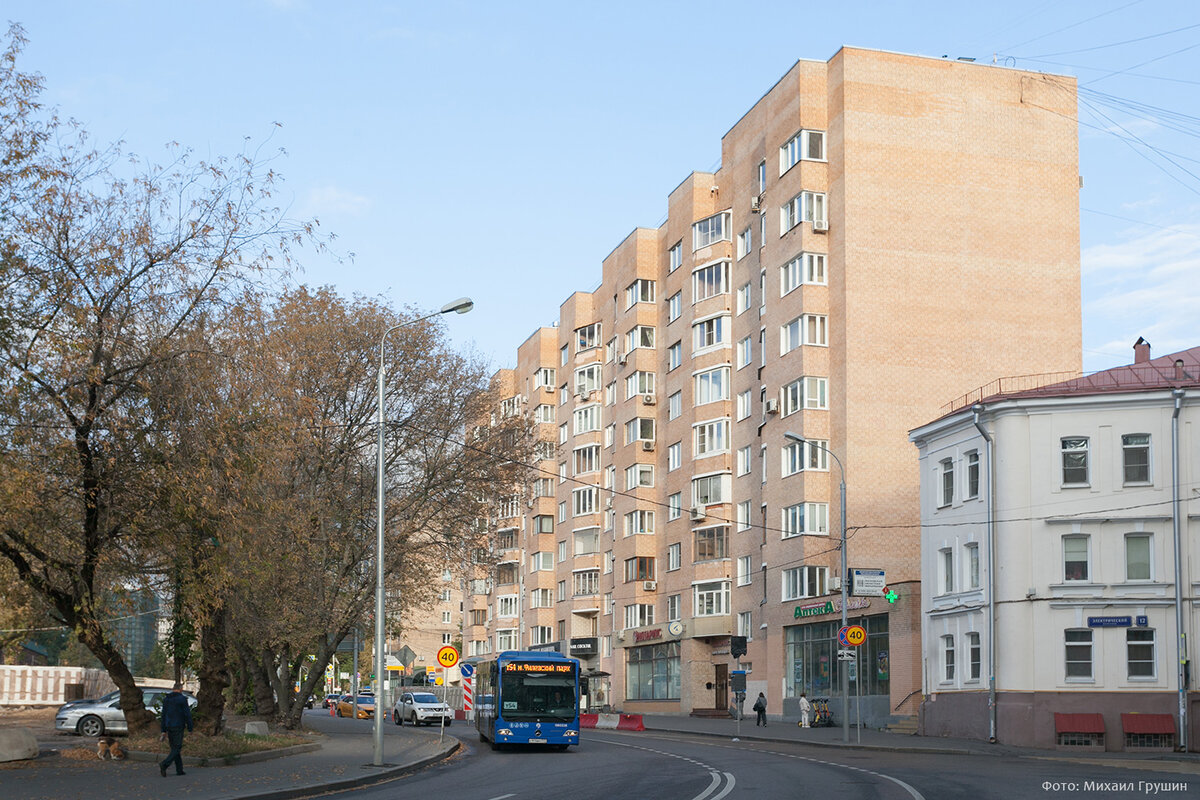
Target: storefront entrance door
721, 687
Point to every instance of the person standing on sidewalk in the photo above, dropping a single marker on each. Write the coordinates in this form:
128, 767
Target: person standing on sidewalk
805, 710
760, 707
176, 714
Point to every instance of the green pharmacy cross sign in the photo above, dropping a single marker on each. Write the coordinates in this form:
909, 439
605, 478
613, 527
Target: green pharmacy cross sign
889, 594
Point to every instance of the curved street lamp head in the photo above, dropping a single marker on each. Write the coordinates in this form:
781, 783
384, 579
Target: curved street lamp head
794, 437
460, 306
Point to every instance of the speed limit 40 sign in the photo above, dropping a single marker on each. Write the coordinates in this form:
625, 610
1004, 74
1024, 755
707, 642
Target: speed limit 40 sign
856, 635
447, 656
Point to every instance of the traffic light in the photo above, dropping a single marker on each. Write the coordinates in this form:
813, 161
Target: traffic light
889, 594
737, 646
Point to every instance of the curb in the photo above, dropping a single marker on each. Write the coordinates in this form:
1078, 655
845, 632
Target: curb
887, 748
231, 760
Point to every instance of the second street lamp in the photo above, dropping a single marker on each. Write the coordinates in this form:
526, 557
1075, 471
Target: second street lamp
460, 306
842, 668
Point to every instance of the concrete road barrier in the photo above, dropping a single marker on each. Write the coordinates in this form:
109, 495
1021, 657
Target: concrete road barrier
631, 722
17, 744
588, 720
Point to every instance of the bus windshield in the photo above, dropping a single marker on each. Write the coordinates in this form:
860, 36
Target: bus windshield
540, 691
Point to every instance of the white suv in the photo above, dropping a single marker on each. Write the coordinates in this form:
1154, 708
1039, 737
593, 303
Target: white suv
418, 707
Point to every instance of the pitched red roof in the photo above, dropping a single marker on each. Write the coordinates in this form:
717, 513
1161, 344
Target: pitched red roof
1078, 723
1147, 723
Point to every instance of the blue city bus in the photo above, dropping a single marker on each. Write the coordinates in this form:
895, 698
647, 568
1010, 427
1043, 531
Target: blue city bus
528, 697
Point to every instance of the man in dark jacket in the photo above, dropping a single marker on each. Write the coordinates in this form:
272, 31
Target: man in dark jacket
760, 707
176, 714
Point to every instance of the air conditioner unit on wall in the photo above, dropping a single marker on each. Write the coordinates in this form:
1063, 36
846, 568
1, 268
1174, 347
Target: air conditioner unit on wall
820, 225
647, 399
697, 514
649, 586
772, 405
622, 358
648, 445
756, 203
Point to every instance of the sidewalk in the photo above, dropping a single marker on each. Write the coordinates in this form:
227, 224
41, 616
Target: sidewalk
868, 739
342, 761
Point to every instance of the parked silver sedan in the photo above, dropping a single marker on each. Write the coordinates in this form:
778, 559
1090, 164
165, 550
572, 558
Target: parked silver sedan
98, 717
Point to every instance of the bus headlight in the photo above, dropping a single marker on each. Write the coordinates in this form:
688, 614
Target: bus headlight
571, 733
504, 732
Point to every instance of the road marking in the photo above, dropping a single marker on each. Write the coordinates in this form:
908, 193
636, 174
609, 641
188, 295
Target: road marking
500, 797
717, 776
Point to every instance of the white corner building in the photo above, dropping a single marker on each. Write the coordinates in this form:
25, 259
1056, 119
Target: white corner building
1060, 559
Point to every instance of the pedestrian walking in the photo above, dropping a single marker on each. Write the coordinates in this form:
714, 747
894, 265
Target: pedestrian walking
176, 715
805, 710
760, 708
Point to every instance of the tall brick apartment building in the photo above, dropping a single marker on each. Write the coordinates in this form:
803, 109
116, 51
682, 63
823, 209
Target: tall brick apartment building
885, 232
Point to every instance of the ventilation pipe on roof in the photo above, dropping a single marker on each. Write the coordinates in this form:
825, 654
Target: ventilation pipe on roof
1141, 351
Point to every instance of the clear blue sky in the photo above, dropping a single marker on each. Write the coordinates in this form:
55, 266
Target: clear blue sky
502, 149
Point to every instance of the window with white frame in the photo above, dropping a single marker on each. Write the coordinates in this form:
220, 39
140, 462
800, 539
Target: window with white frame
640, 291
608, 605
562, 511
506, 639
543, 487
638, 615
675, 257
744, 243
587, 541
608, 562
1139, 654
563, 355
563, 433
762, 176
639, 383
710, 281
710, 490
743, 298
583, 501
1076, 557
711, 599
710, 231
545, 450
674, 456
745, 625
710, 333
1078, 653
804, 207
1137, 557
742, 513
674, 506
561, 586
810, 519
639, 476
743, 460
638, 522
541, 562
972, 487
711, 437
541, 634
586, 459
806, 268
971, 553
543, 413
562, 551
673, 608
806, 145
585, 583
809, 392
674, 356
675, 405
1075, 461
673, 556
743, 404
610, 431
544, 376
587, 418
610, 350
802, 582
710, 544
674, 306
946, 493
974, 654
541, 598
638, 337
1135, 455
587, 379
745, 352
946, 570
743, 570
947, 658
506, 605
712, 385
587, 337
639, 429
563, 395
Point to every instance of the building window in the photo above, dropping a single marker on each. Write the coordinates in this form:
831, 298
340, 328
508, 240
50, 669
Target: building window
640, 291
640, 568
805, 393
1135, 450
587, 379
541, 562
710, 231
974, 653
744, 243
638, 615
804, 268
711, 599
711, 437
743, 570
638, 476
563, 355
743, 460
709, 333
972, 474
743, 515
506, 605
743, 298
710, 281
745, 353
640, 383
947, 658
1139, 653
639, 522
806, 329
587, 419
709, 490
1075, 461
586, 583
674, 306
640, 337
802, 582
506, 639
712, 386
972, 552
804, 146
562, 551
652, 672
587, 337
675, 257
1137, 557
673, 608
1079, 653
541, 634
1075, 558
639, 429
674, 456
587, 542
674, 506
544, 376
762, 176
710, 544
804, 207
587, 459
806, 518
947, 484
584, 501
947, 570
673, 556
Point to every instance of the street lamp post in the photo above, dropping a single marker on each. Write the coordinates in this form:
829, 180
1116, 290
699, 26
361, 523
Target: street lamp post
459, 306
842, 668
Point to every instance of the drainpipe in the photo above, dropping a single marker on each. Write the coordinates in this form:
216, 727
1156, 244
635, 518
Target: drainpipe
1176, 527
989, 450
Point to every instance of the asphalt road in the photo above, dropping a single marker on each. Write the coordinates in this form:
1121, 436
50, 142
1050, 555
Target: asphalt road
668, 766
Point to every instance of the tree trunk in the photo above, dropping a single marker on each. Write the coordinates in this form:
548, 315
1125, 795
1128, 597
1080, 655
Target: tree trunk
214, 674
264, 699
136, 715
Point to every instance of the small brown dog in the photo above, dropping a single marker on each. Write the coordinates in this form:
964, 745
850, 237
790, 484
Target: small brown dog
109, 748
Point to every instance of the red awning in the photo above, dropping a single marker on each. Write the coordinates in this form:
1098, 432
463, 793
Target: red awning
1078, 723
1147, 723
